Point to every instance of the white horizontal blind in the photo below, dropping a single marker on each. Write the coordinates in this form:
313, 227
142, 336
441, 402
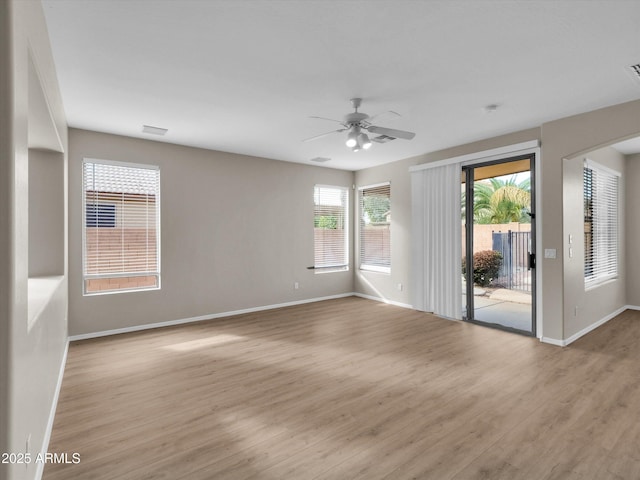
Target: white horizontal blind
331, 227
600, 223
375, 227
121, 230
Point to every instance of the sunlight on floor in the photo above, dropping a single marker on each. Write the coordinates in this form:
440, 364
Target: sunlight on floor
221, 339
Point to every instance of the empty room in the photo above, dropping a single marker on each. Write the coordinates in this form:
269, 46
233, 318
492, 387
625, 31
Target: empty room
320, 239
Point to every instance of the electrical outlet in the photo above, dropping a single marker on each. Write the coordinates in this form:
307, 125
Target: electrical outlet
296, 285
399, 287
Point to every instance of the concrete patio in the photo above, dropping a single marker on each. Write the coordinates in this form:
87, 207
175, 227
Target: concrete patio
508, 308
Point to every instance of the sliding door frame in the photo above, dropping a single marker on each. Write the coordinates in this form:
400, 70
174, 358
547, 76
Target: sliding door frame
468, 170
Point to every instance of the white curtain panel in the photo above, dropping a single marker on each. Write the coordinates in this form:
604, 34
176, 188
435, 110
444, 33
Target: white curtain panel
437, 240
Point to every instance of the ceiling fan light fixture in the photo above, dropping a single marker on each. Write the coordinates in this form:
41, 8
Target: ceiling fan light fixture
352, 138
358, 125
363, 141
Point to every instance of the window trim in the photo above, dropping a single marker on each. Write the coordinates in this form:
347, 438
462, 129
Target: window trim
320, 269
158, 273
593, 281
363, 266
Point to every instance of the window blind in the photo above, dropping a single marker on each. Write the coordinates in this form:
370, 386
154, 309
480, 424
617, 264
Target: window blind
121, 241
600, 186
436, 240
375, 227
331, 227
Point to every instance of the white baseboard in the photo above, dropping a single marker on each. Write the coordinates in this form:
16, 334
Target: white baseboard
52, 413
590, 328
170, 323
383, 300
593, 326
553, 341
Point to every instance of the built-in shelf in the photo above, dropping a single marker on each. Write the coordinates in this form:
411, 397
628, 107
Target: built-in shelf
46, 205
46, 213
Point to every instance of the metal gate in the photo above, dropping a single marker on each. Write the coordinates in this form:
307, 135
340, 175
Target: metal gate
514, 247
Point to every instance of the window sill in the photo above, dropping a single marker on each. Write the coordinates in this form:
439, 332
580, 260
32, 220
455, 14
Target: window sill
601, 283
323, 270
124, 290
367, 268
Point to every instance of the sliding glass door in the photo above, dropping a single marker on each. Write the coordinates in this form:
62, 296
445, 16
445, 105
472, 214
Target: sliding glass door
499, 244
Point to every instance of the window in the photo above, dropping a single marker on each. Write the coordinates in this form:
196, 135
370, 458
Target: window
331, 239
121, 227
600, 186
375, 227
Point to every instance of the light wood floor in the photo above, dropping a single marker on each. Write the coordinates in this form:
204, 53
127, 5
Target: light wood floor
350, 389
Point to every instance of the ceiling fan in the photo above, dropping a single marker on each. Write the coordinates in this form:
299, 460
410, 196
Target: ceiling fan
358, 124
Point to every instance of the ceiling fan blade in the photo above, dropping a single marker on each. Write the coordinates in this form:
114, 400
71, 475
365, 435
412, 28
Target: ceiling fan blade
324, 134
329, 119
391, 132
382, 114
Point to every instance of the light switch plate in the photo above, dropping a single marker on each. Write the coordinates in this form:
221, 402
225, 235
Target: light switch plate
549, 253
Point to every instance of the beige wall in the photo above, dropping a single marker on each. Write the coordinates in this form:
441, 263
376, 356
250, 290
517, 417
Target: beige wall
236, 233
631, 181
567, 138
584, 308
385, 285
31, 353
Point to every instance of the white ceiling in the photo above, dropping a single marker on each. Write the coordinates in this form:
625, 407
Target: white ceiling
244, 76
628, 147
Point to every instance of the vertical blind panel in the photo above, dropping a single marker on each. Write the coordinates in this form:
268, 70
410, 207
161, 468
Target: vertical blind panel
600, 224
330, 227
375, 226
436, 240
120, 221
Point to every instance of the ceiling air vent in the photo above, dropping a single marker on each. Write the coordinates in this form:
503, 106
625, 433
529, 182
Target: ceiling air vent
382, 139
154, 130
320, 159
634, 72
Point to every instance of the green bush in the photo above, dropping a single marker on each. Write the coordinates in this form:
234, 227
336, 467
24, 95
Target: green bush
326, 222
486, 266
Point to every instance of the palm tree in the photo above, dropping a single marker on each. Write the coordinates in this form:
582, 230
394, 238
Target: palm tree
498, 200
